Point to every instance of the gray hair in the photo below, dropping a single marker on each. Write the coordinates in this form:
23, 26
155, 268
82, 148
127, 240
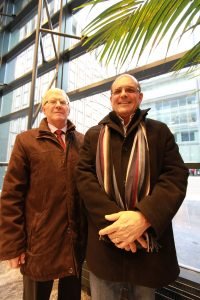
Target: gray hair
55, 91
129, 76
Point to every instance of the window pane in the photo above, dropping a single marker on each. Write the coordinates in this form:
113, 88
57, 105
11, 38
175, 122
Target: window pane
27, 27
175, 101
89, 111
187, 223
82, 73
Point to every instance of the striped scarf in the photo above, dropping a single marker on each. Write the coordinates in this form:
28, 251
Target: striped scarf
137, 183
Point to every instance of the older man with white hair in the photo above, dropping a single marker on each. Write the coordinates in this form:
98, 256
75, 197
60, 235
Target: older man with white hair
40, 212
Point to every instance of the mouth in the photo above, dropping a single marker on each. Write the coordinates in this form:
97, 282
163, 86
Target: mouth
124, 102
58, 113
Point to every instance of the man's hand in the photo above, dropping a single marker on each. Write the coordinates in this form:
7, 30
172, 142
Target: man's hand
128, 227
132, 246
17, 261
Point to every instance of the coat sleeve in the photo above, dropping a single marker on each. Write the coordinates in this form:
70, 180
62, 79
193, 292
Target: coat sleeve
12, 220
169, 182
96, 201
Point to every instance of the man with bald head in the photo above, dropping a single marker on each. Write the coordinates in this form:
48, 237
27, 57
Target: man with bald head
132, 180
40, 212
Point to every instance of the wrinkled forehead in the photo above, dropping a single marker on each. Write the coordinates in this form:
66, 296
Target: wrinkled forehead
124, 81
55, 94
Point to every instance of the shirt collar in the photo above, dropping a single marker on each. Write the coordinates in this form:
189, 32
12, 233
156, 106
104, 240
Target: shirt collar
53, 128
122, 121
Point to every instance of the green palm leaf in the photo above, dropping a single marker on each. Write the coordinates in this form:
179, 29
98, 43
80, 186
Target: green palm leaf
128, 27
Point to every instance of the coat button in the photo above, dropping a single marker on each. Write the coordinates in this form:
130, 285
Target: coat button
68, 230
70, 270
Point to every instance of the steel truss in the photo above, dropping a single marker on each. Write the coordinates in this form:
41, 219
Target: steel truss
38, 42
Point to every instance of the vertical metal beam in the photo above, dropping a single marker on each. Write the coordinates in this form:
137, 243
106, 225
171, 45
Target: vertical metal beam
63, 67
38, 40
42, 49
34, 72
51, 27
60, 27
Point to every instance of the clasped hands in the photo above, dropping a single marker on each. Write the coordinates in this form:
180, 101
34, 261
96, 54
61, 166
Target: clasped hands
127, 228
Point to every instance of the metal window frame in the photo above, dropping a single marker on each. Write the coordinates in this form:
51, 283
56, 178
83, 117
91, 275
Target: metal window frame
38, 41
37, 36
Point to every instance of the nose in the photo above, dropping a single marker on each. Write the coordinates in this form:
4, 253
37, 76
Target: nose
123, 92
58, 103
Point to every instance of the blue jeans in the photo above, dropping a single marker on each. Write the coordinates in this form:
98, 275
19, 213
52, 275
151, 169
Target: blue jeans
109, 290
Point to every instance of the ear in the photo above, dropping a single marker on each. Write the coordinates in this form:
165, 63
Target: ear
140, 97
43, 109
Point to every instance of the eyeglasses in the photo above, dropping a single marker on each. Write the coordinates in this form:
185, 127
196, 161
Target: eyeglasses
128, 90
54, 102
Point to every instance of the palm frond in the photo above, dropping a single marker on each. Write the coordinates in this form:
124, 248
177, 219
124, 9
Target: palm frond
191, 57
128, 27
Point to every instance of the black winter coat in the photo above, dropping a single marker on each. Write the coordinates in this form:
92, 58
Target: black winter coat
168, 182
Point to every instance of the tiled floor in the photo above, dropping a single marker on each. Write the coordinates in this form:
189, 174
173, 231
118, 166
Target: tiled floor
11, 284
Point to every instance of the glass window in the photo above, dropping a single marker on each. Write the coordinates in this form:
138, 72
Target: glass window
183, 118
191, 99
40, 116
19, 98
2, 174
16, 126
26, 95
174, 103
166, 91
192, 116
182, 102
158, 105
174, 118
183, 92
82, 73
186, 225
6, 104
93, 109
23, 63
187, 136
26, 28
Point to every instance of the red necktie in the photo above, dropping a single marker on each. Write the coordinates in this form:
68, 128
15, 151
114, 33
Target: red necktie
59, 133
